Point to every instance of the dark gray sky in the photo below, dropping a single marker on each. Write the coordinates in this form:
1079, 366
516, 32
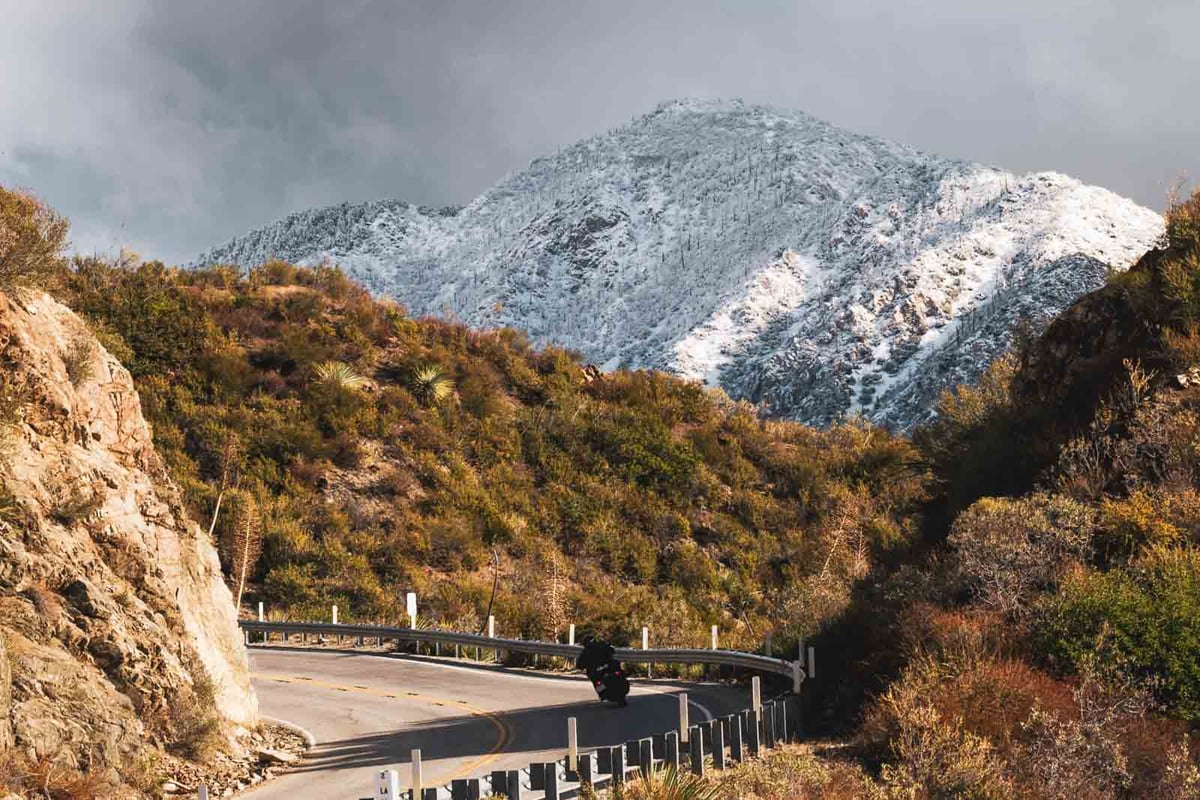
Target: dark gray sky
169, 126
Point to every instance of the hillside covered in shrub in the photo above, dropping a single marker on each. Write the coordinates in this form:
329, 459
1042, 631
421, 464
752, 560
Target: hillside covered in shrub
378, 454
1009, 602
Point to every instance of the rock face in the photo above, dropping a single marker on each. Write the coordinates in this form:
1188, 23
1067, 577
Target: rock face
118, 625
813, 270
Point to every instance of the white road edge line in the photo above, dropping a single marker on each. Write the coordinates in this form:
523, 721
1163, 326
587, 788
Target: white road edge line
310, 741
703, 709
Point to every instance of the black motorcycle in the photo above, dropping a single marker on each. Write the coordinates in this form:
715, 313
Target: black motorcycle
604, 671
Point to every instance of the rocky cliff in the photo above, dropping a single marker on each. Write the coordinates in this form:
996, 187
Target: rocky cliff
120, 634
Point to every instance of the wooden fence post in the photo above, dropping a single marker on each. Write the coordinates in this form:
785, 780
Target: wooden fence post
735, 737
514, 785
696, 744
718, 744
671, 750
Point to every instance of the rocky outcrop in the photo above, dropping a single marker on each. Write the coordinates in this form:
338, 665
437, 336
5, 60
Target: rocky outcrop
118, 626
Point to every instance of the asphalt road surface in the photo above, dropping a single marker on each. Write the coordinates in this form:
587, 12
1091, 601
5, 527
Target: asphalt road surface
368, 712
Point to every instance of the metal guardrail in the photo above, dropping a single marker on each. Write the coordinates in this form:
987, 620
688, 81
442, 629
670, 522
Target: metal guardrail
726, 658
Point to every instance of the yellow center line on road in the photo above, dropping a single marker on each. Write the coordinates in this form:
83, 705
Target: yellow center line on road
472, 768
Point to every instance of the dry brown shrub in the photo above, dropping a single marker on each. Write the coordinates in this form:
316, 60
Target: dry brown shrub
1009, 550
32, 239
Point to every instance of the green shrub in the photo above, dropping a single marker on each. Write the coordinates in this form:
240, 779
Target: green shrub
1145, 619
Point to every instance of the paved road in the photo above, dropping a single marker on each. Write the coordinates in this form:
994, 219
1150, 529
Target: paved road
368, 712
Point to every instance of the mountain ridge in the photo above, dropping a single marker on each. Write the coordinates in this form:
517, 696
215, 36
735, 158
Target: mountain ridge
815, 271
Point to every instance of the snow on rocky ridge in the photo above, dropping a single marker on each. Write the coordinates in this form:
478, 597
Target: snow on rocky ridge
816, 271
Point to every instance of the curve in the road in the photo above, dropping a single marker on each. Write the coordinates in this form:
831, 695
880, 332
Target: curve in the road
468, 769
369, 711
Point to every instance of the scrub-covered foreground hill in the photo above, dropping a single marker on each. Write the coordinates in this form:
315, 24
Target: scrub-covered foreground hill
795, 264
377, 454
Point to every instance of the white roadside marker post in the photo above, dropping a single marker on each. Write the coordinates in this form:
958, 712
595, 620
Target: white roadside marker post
812, 662
410, 602
388, 787
756, 694
492, 635
416, 779
646, 646
571, 635
683, 717
572, 745
335, 622
714, 637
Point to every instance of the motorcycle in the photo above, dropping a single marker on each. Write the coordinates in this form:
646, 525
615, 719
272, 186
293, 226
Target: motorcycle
604, 671
610, 683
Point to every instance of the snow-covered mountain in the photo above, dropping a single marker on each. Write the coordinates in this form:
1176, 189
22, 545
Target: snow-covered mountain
798, 265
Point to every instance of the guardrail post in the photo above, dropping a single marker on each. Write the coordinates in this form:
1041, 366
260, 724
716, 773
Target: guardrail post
499, 782
671, 750
646, 756
618, 765
604, 761
586, 773
768, 718
551, 777
683, 717
632, 753
735, 737
812, 662
696, 744
754, 732
718, 744
388, 787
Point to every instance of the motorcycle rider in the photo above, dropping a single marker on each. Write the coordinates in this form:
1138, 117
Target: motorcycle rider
598, 660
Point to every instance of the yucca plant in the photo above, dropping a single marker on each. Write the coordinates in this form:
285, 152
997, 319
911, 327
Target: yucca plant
338, 374
670, 784
430, 384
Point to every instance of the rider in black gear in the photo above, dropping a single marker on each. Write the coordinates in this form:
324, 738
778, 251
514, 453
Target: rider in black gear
603, 670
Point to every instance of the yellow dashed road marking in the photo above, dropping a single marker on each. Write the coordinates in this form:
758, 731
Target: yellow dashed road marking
472, 768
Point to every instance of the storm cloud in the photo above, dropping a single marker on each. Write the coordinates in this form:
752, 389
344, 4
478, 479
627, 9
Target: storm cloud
168, 127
